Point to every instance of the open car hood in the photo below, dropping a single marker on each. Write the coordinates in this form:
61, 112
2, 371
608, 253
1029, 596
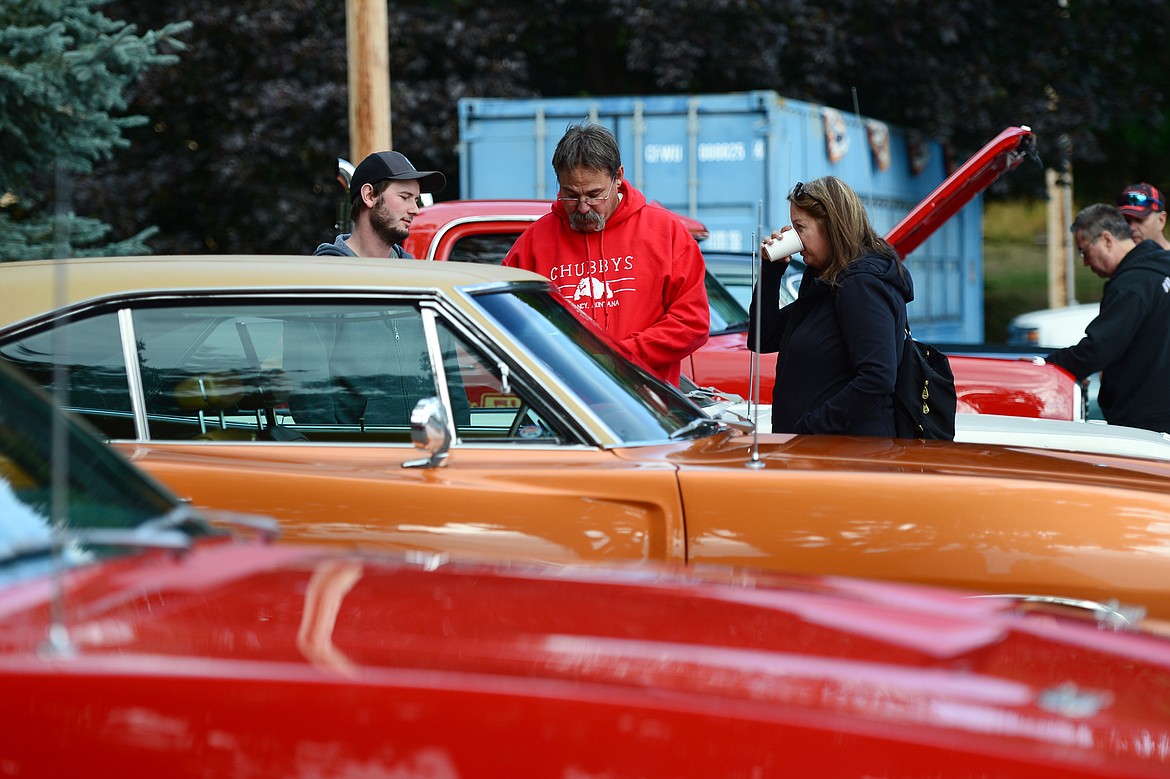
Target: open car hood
1004, 153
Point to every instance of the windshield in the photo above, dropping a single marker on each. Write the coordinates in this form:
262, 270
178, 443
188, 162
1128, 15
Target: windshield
98, 490
727, 315
635, 405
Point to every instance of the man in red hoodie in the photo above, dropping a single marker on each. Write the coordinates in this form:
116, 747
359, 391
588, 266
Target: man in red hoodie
630, 266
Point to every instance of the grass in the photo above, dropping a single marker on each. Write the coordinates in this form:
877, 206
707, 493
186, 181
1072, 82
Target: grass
1015, 265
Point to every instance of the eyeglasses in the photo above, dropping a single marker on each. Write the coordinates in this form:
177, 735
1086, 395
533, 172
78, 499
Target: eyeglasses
589, 201
1084, 249
1139, 199
799, 191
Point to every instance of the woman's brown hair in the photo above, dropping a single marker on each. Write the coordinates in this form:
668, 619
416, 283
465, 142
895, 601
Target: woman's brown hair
843, 218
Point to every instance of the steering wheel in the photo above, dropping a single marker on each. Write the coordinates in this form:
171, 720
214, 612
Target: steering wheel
517, 421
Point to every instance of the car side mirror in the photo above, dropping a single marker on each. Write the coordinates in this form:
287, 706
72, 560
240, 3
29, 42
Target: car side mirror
429, 432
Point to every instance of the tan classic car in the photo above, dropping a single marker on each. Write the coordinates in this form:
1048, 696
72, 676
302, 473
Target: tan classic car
291, 386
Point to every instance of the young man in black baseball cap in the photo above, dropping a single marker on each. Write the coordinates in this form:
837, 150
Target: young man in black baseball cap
384, 190
1144, 208
368, 370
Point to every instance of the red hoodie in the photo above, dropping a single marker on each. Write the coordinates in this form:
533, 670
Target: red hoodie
641, 278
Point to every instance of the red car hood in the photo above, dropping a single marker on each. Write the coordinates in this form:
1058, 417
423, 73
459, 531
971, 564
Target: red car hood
284, 660
1004, 153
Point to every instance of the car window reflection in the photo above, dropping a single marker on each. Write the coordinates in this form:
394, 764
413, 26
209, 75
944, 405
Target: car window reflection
633, 404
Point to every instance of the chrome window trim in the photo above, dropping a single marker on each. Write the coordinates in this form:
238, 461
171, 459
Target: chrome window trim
133, 374
433, 247
438, 369
470, 332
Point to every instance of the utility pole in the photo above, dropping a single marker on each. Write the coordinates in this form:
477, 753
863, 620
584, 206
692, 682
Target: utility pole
1061, 256
367, 37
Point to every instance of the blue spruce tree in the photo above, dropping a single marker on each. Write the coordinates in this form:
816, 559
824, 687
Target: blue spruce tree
64, 68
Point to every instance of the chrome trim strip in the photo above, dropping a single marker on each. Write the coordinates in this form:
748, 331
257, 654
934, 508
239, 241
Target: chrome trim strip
438, 369
133, 373
433, 247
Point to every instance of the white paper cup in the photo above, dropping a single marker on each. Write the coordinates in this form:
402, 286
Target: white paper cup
783, 247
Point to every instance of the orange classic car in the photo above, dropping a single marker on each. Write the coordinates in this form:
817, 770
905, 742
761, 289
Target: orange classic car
298, 387
137, 641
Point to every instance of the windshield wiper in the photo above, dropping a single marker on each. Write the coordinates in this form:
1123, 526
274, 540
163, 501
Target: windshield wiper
267, 528
175, 518
732, 327
696, 424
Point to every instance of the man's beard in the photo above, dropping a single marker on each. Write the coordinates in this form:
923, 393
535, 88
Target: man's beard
588, 222
382, 225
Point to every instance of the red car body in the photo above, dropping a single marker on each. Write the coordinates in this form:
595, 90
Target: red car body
483, 231
244, 659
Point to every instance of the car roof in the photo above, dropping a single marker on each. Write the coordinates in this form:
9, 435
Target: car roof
32, 288
1078, 312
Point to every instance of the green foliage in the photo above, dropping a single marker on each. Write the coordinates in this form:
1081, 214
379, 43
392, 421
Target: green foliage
65, 236
242, 155
1015, 265
64, 69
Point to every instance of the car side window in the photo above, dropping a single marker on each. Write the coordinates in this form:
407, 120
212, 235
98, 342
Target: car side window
88, 354
499, 409
313, 372
357, 368
489, 249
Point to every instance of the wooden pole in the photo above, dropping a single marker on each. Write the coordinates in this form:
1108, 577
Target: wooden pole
368, 52
1060, 267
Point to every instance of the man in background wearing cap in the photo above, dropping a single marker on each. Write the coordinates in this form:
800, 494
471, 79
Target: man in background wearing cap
368, 370
384, 190
1127, 342
1144, 208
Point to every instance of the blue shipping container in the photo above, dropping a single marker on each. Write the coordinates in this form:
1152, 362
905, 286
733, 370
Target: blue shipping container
729, 160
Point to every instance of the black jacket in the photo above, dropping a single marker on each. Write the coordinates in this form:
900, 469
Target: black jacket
1129, 342
838, 349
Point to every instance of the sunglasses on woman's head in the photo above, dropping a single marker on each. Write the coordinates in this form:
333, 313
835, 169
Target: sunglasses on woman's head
799, 191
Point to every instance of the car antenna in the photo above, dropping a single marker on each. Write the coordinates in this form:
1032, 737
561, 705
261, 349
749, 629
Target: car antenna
58, 643
869, 193
754, 371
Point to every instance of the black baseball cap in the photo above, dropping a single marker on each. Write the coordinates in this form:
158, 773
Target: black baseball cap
382, 165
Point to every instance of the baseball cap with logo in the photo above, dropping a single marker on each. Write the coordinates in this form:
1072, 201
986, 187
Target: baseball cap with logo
382, 165
1140, 200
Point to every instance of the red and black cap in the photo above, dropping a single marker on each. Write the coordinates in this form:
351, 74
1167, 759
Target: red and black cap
1140, 200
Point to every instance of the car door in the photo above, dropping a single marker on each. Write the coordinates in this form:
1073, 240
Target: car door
300, 408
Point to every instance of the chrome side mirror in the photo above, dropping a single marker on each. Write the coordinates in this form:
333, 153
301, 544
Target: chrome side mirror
429, 432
